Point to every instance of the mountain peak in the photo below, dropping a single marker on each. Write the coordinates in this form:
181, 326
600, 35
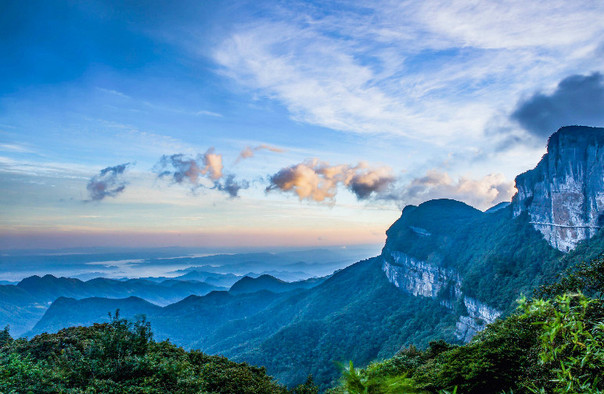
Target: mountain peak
248, 284
564, 194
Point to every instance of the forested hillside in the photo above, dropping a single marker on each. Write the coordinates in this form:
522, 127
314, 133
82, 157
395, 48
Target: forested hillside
122, 357
553, 343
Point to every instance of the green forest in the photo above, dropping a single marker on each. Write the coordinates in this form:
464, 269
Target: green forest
122, 357
553, 343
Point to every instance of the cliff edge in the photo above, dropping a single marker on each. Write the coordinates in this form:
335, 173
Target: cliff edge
564, 194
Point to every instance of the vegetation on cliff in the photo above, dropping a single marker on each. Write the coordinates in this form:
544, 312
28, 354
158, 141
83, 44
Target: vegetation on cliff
551, 344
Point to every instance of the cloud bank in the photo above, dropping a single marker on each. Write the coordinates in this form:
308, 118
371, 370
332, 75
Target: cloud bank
578, 99
108, 183
314, 180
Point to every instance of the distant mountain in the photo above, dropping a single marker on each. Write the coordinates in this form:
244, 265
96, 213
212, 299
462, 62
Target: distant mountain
270, 283
306, 263
445, 272
212, 278
48, 288
23, 304
89, 311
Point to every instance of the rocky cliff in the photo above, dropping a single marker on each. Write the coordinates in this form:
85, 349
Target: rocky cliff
428, 280
564, 194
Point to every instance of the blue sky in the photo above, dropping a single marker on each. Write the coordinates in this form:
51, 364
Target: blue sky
285, 123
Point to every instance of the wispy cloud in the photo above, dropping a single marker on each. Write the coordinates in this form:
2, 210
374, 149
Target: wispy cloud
15, 148
417, 69
249, 151
108, 183
208, 113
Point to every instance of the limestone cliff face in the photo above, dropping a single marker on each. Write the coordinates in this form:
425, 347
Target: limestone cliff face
428, 280
564, 194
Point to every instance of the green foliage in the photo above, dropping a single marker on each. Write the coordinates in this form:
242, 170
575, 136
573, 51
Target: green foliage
373, 380
497, 255
308, 387
361, 317
121, 356
5, 337
587, 278
571, 340
552, 345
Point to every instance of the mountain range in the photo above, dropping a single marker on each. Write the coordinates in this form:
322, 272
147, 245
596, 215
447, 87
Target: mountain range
23, 304
445, 272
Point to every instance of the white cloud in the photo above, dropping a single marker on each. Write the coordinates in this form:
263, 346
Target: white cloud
431, 70
481, 193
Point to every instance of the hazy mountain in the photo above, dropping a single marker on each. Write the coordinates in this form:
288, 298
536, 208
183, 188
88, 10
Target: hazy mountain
446, 270
267, 282
215, 279
23, 304
87, 311
316, 262
170, 262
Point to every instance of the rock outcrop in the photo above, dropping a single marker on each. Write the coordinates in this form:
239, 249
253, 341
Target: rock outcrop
428, 280
564, 194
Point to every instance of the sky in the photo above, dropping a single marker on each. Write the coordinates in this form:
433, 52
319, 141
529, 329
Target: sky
277, 123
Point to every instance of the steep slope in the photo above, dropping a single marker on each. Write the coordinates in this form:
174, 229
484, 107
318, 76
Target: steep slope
18, 309
356, 314
564, 194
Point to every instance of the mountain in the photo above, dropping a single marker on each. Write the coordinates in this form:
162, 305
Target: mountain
564, 194
445, 272
214, 279
121, 357
23, 304
290, 265
90, 310
267, 282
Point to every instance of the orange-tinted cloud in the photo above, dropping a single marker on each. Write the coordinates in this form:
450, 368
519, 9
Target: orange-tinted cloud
249, 151
318, 181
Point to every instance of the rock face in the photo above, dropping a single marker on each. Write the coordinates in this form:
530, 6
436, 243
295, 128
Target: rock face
428, 280
564, 194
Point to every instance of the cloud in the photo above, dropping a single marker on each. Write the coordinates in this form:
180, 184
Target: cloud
430, 70
578, 99
230, 186
318, 181
183, 169
480, 193
208, 166
208, 113
108, 183
249, 151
